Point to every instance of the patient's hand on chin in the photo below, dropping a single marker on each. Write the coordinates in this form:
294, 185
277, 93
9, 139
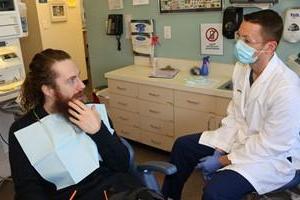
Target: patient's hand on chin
84, 117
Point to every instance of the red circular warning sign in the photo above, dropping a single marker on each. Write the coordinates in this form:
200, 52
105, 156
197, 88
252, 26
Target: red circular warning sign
212, 34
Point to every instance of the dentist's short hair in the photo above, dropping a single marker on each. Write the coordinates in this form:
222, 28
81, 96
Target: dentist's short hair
270, 21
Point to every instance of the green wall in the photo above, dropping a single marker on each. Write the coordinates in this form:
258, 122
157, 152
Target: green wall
185, 42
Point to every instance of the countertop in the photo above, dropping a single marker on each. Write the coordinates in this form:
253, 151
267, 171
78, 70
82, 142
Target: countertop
184, 81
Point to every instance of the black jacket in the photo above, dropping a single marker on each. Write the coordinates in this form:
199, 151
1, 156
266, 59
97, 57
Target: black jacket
30, 185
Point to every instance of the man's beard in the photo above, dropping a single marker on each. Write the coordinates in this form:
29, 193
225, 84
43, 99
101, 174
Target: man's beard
61, 103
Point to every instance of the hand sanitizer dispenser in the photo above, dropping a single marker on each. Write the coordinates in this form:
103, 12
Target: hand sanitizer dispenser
291, 32
204, 69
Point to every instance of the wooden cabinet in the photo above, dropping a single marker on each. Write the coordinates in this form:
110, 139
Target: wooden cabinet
190, 121
143, 113
195, 101
156, 115
123, 109
156, 110
123, 88
196, 113
156, 94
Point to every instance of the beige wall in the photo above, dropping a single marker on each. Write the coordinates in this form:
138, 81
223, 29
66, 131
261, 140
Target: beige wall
43, 33
31, 44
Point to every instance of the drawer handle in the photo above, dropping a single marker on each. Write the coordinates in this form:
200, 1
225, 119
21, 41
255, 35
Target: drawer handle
155, 127
153, 94
122, 104
125, 132
155, 142
123, 118
193, 102
154, 111
121, 88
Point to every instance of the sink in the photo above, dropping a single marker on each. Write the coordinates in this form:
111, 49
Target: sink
226, 86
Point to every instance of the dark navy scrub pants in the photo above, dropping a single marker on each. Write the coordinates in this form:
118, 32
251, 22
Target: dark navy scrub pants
185, 155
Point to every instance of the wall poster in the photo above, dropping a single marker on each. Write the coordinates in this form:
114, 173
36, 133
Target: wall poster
211, 39
169, 6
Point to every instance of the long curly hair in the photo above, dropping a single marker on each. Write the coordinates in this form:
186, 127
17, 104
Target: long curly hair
40, 73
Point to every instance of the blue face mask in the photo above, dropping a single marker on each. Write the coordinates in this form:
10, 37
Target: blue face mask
244, 53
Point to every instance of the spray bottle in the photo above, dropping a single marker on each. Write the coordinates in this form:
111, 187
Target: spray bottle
204, 68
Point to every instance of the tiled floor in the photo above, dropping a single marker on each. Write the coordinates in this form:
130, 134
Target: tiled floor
143, 153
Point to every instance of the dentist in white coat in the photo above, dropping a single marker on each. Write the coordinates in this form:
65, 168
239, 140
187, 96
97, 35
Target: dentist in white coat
257, 148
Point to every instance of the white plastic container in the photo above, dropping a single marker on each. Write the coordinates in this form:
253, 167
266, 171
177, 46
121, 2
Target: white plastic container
291, 32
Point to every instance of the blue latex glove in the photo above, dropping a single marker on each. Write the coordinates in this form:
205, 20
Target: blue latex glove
206, 176
210, 164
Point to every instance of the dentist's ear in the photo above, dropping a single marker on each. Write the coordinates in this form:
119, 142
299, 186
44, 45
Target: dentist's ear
272, 45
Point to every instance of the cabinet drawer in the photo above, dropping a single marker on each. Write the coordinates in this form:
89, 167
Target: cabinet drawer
157, 126
222, 104
124, 103
156, 94
128, 132
123, 88
158, 141
195, 101
190, 121
121, 116
155, 110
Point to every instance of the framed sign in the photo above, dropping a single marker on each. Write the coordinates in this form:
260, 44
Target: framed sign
58, 11
211, 39
169, 6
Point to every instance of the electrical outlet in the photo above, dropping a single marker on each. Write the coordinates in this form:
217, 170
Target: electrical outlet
167, 32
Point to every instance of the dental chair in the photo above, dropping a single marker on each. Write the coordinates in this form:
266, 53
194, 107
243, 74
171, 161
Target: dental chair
277, 194
145, 171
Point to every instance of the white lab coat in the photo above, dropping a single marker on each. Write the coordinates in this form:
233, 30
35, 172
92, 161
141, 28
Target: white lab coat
262, 126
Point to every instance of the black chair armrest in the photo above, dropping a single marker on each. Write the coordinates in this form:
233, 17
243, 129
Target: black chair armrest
158, 166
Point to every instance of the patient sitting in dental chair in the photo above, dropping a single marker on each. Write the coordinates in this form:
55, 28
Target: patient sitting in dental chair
62, 148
